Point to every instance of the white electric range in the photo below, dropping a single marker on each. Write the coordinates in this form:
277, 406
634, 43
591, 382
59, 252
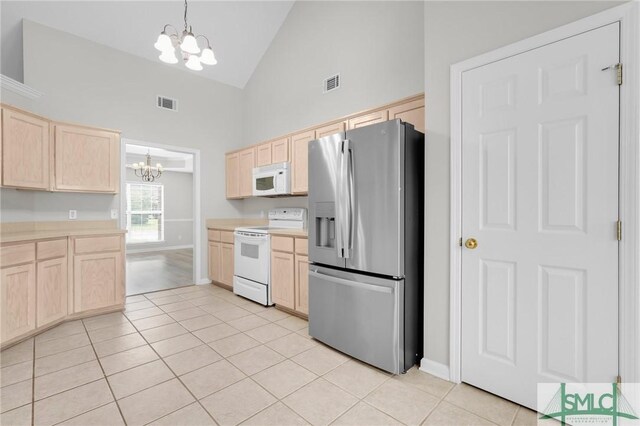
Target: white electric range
252, 254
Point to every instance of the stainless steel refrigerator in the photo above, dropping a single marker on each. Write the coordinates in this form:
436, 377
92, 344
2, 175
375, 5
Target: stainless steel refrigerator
366, 198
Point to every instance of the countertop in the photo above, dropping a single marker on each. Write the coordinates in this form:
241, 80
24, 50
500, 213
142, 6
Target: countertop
30, 231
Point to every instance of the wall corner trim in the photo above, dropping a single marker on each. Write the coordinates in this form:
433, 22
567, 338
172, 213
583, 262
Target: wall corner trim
21, 89
435, 368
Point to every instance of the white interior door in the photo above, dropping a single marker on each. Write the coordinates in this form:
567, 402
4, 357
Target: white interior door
540, 196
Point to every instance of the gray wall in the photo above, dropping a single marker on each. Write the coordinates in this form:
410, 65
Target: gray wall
89, 83
455, 31
178, 210
377, 47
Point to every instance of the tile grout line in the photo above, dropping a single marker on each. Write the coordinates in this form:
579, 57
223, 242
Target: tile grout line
177, 378
104, 377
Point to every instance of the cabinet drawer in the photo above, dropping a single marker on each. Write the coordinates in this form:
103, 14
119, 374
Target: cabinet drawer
16, 254
97, 244
282, 244
226, 237
214, 235
51, 249
302, 246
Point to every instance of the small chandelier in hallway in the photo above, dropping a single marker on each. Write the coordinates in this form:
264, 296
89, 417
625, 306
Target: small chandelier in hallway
146, 171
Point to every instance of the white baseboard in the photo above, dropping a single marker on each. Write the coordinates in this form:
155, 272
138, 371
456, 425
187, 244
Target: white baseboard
435, 368
164, 248
203, 281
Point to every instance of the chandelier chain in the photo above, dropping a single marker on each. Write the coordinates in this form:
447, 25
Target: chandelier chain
185, 15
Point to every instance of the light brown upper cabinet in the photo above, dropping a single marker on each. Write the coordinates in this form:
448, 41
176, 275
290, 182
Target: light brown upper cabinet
410, 112
300, 161
247, 161
86, 160
25, 150
263, 154
331, 129
280, 150
366, 119
232, 167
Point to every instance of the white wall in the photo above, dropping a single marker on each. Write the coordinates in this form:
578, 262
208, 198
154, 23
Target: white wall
89, 83
377, 47
178, 210
455, 31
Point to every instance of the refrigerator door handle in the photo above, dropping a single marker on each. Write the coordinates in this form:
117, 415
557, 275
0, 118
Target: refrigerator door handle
350, 200
340, 203
356, 284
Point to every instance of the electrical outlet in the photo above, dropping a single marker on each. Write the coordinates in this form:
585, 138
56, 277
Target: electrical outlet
73, 214
114, 213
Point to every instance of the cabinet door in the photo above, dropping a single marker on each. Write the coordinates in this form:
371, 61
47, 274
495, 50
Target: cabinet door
280, 150
365, 120
51, 291
247, 163
263, 154
300, 162
25, 150
18, 300
331, 129
86, 160
97, 280
214, 261
410, 112
282, 279
302, 284
226, 264
232, 175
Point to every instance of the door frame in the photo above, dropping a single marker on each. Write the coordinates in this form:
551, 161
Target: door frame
629, 199
197, 214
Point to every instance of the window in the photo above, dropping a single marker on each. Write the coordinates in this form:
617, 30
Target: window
145, 213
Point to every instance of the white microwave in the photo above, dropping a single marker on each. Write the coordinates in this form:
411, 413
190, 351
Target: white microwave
272, 180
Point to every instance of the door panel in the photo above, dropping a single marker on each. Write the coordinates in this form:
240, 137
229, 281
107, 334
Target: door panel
226, 264
540, 196
302, 284
358, 315
378, 245
299, 162
51, 291
410, 112
324, 157
232, 175
282, 279
18, 301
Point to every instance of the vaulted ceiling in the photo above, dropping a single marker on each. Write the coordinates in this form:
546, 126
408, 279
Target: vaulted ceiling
240, 31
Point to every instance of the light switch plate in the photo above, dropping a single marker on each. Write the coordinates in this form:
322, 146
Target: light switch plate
114, 213
73, 214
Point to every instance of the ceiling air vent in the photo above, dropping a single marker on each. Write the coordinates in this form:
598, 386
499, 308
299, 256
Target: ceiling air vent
167, 103
331, 83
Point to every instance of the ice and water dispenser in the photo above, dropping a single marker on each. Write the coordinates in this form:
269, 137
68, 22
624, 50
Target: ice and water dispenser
325, 222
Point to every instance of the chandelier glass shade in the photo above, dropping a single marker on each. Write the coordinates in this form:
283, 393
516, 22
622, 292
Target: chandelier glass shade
146, 171
187, 43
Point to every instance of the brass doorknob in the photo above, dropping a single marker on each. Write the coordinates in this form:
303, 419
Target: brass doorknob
471, 243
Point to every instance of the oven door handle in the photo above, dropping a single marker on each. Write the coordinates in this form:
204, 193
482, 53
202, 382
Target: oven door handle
251, 238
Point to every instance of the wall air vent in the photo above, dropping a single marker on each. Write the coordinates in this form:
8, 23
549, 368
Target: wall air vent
167, 103
331, 83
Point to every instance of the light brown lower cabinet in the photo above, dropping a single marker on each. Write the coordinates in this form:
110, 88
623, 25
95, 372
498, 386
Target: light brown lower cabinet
221, 256
226, 264
44, 282
97, 280
282, 279
51, 290
18, 300
290, 273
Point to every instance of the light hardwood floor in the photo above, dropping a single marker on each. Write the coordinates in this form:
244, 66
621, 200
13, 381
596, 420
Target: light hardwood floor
160, 270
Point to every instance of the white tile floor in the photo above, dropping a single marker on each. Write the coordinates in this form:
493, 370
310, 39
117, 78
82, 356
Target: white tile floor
201, 356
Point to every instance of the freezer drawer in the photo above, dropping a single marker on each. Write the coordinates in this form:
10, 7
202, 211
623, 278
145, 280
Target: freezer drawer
359, 315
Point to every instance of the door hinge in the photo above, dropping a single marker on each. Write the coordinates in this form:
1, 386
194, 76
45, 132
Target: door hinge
619, 230
618, 68
460, 242
619, 383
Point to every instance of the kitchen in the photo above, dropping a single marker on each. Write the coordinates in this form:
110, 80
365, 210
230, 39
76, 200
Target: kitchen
256, 115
